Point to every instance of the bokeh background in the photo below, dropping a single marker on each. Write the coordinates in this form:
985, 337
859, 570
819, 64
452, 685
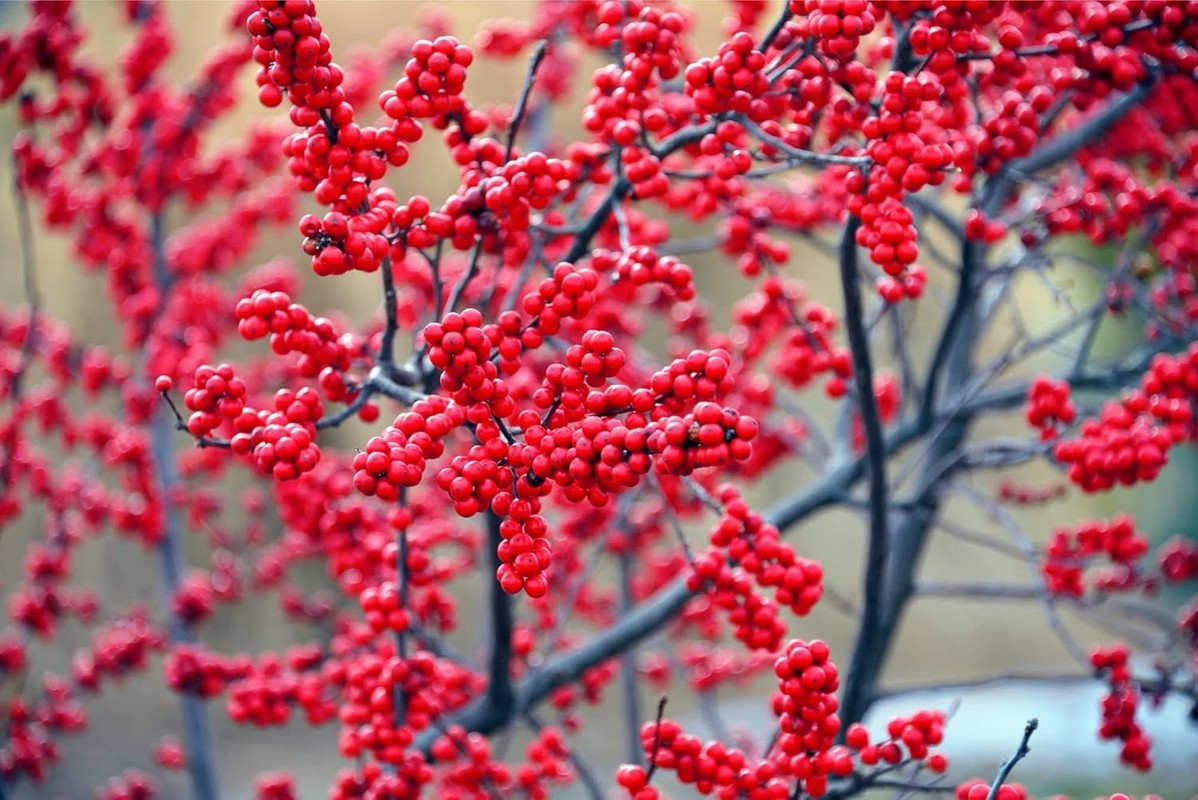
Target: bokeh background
942, 640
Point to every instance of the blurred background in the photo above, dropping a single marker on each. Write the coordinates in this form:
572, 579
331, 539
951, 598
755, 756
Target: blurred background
942, 640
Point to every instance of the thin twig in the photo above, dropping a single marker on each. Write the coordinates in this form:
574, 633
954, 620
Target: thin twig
513, 128
1010, 763
661, 712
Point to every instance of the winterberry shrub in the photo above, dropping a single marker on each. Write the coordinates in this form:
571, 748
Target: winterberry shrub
554, 423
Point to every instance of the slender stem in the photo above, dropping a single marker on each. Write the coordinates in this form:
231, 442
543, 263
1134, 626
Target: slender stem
768, 40
661, 712
855, 695
1009, 764
801, 156
622, 186
538, 55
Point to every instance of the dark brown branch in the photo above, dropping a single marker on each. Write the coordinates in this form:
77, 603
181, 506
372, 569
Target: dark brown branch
500, 696
661, 712
621, 187
855, 694
768, 40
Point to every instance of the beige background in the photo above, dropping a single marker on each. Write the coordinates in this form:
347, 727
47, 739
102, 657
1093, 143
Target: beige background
942, 640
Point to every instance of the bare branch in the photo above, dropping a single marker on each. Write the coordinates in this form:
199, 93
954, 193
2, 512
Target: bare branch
513, 128
875, 453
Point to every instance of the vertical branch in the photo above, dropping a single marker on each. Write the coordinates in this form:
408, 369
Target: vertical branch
386, 354
501, 697
197, 728
865, 651
632, 704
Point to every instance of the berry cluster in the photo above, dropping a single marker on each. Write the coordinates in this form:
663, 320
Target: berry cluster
339, 242
432, 82
216, 397
398, 457
1119, 707
642, 266
711, 768
132, 784
568, 294
275, 786
524, 553
806, 707
293, 329
1049, 406
916, 734
837, 27
733, 81
283, 442
1129, 441
1011, 492
169, 753
1069, 551
194, 670
266, 693
755, 619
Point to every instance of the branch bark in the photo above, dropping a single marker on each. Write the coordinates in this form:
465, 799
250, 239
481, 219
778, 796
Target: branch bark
873, 589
